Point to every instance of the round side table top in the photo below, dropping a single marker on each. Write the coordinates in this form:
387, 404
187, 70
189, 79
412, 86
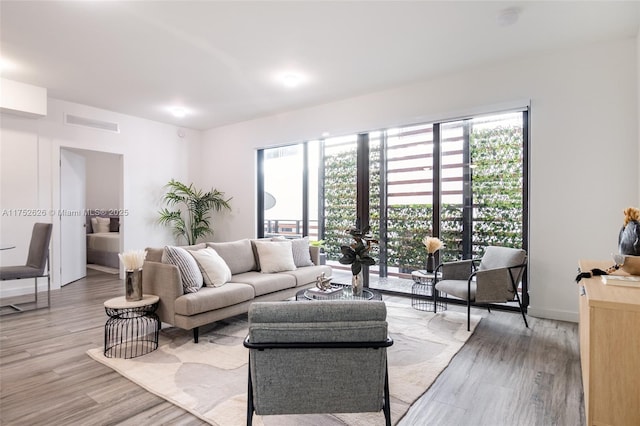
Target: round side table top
423, 274
122, 303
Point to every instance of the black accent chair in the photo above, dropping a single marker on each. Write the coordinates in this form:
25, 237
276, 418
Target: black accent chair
492, 279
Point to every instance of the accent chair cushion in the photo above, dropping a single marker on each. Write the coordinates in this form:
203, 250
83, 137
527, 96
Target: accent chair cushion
215, 271
189, 271
275, 256
457, 288
501, 257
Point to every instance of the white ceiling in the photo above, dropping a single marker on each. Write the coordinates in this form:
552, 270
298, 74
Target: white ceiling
219, 59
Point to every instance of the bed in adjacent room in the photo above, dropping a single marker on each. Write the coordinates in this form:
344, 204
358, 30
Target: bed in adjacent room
103, 241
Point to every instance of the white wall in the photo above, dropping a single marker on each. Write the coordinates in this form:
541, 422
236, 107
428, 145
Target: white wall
104, 180
153, 153
584, 151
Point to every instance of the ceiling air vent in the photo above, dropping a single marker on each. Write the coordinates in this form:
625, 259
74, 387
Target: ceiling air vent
75, 120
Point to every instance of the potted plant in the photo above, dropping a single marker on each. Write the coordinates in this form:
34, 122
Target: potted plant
322, 257
357, 254
198, 205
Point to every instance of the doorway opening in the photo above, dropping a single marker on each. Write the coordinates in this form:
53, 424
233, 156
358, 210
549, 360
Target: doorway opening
91, 214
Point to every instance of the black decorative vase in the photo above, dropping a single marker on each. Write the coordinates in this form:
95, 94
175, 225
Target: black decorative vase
430, 262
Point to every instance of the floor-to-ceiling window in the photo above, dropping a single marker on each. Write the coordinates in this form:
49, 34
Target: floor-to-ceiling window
282, 180
463, 180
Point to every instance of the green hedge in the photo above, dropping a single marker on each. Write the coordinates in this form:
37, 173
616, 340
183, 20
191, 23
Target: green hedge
497, 182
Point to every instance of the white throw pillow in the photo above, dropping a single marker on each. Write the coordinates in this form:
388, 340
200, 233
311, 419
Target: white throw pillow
215, 271
187, 265
300, 248
275, 256
101, 224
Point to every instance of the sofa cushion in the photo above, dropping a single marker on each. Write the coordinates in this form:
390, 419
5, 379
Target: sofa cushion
275, 256
189, 272
215, 271
309, 274
238, 255
211, 298
265, 283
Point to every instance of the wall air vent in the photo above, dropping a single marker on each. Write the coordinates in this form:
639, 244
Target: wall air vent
75, 120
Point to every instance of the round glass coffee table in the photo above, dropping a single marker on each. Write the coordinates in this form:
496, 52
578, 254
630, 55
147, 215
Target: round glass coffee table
346, 294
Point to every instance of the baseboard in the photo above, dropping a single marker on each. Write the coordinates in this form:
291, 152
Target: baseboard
554, 315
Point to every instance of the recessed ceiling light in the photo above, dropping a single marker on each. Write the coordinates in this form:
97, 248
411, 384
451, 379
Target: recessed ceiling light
291, 79
178, 112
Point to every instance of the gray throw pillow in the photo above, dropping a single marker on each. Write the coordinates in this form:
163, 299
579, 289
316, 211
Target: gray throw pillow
187, 265
301, 255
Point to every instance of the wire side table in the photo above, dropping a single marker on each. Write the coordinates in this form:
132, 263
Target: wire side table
422, 292
132, 328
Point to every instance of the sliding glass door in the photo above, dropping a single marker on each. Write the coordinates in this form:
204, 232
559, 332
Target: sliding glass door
464, 181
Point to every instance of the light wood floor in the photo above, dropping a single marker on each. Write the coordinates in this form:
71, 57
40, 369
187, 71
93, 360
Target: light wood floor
505, 374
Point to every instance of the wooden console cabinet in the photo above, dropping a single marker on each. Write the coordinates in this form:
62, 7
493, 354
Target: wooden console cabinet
609, 350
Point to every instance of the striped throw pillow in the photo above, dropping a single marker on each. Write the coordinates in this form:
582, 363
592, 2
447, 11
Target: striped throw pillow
187, 265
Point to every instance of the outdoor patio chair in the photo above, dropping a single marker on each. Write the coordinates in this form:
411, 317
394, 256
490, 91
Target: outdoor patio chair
494, 280
318, 357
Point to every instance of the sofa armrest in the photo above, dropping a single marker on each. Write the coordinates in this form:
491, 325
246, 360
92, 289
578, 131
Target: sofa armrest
164, 281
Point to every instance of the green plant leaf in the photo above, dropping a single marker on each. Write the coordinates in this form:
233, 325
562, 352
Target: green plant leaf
197, 205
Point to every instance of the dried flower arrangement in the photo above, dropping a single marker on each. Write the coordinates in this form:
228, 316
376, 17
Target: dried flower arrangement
432, 244
132, 260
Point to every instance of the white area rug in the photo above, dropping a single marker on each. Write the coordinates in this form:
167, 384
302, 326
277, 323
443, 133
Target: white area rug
209, 379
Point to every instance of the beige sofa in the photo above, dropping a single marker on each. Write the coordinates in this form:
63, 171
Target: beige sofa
209, 304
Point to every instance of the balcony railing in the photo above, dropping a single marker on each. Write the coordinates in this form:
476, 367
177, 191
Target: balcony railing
290, 228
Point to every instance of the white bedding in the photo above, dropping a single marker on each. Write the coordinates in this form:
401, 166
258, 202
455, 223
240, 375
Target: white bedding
104, 241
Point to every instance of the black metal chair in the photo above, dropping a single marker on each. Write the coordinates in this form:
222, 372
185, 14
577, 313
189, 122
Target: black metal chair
37, 260
492, 279
318, 357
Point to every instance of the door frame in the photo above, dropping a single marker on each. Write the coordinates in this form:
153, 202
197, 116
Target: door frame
74, 216
55, 203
